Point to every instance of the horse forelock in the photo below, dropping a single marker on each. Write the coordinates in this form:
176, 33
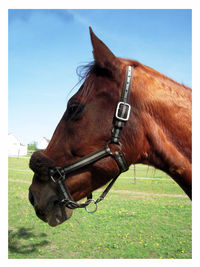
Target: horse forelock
88, 75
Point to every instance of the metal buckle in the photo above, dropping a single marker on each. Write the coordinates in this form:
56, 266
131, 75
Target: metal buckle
127, 111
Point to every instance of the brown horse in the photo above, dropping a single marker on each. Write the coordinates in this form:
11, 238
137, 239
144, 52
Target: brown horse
158, 133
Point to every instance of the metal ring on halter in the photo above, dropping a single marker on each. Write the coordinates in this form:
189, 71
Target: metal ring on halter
96, 206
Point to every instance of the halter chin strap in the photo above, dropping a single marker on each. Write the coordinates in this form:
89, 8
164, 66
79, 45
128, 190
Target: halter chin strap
122, 115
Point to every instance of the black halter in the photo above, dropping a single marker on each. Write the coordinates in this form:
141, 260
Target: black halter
121, 117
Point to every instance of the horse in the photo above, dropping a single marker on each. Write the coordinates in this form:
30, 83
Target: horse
123, 113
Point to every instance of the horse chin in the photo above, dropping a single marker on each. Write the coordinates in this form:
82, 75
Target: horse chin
58, 215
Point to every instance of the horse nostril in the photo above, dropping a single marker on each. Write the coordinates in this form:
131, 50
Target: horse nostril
31, 198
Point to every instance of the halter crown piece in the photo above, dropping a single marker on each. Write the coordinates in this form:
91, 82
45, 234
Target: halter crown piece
121, 116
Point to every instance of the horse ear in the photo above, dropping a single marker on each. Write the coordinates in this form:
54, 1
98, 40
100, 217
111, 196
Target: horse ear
102, 54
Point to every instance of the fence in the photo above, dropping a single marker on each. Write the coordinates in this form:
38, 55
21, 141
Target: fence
123, 177
28, 155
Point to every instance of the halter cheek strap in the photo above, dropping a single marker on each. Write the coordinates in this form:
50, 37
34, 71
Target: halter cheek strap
122, 115
123, 107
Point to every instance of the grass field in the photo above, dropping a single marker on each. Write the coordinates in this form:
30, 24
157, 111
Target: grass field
147, 220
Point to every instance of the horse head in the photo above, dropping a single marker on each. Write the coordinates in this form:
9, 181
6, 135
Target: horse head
85, 127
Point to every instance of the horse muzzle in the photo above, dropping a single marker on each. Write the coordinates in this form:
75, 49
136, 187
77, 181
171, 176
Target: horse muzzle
43, 195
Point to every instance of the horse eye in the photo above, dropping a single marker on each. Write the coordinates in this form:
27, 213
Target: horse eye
74, 111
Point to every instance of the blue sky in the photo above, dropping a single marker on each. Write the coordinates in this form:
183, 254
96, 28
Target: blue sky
46, 46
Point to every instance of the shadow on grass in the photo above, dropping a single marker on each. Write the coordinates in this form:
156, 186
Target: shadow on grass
24, 241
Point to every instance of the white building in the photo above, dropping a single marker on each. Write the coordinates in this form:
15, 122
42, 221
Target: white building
15, 148
42, 143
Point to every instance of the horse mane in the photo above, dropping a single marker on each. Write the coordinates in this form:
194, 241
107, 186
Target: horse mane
153, 72
84, 71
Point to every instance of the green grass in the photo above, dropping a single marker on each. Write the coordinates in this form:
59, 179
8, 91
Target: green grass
149, 219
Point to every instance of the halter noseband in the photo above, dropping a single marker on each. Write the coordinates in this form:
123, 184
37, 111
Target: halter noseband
121, 117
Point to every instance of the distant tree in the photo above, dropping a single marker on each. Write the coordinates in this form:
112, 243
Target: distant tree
32, 146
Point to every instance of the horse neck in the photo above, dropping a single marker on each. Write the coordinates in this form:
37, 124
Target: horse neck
161, 126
